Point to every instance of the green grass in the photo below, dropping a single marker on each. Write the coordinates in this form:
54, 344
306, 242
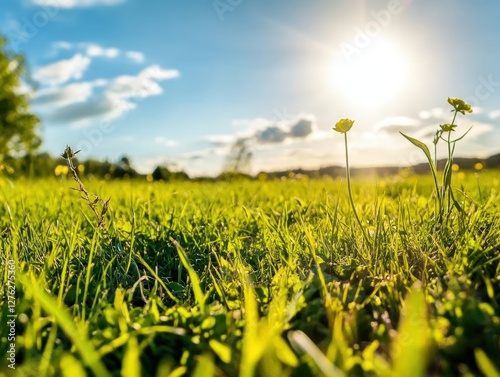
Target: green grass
253, 279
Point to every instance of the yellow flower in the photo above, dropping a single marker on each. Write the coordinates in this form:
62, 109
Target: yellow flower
478, 166
460, 105
61, 170
343, 125
448, 127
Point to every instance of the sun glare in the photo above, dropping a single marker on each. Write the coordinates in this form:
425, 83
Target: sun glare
372, 76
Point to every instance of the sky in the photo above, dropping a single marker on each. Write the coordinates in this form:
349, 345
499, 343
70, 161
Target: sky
178, 83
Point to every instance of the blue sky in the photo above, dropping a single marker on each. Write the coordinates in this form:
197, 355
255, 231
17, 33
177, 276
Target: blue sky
179, 82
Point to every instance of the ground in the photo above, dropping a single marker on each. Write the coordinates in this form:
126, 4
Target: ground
250, 278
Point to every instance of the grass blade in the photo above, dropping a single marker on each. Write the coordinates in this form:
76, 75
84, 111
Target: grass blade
131, 365
195, 279
205, 366
410, 349
86, 349
485, 364
427, 153
252, 349
302, 344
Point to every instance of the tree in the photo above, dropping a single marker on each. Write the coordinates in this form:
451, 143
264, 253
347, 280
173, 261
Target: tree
161, 173
18, 127
238, 160
123, 169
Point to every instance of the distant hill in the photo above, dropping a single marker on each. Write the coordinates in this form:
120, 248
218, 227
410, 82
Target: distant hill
491, 162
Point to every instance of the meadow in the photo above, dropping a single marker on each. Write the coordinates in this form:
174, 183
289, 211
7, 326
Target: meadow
251, 278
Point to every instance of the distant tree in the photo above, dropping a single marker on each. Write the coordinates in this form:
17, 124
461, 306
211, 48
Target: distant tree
123, 169
43, 165
97, 168
124, 162
238, 160
180, 176
18, 127
161, 173
493, 161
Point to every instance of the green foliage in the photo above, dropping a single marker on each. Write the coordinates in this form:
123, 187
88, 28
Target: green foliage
444, 194
161, 173
18, 127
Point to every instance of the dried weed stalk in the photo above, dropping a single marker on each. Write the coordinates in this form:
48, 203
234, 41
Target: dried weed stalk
99, 206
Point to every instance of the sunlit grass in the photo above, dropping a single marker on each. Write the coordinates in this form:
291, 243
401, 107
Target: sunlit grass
253, 278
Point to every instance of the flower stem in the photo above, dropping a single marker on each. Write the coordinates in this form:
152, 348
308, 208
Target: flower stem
449, 167
348, 174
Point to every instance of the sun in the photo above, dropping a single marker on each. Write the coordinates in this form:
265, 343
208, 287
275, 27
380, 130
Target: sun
372, 76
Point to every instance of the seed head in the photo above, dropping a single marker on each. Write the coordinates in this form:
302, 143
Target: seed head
68, 152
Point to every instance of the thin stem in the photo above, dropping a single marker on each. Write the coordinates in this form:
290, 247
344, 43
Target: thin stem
447, 178
348, 174
438, 191
92, 200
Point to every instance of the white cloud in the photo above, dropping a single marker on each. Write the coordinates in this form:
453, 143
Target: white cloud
220, 139
100, 107
62, 45
395, 124
90, 49
78, 104
62, 96
135, 56
95, 50
158, 73
478, 129
76, 3
494, 114
62, 71
143, 85
166, 142
438, 113
260, 131
271, 134
425, 114
477, 110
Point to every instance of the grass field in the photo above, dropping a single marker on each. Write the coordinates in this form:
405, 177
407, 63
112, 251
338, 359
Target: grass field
251, 278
